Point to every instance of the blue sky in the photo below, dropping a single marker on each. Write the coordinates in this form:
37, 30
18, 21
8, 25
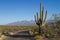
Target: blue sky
18, 10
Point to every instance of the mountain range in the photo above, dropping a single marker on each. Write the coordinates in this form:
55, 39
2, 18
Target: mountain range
28, 23
22, 23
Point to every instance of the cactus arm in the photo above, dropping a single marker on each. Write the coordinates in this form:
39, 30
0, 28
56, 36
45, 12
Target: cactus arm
35, 17
42, 13
45, 15
44, 22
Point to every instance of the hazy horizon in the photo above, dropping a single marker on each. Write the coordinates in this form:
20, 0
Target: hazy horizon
18, 10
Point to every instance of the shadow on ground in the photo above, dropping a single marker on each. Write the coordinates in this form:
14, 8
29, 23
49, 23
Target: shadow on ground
20, 36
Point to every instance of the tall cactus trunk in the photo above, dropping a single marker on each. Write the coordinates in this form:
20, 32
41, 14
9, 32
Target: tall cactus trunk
39, 29
40, 11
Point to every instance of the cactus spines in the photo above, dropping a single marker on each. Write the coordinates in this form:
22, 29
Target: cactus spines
42, 20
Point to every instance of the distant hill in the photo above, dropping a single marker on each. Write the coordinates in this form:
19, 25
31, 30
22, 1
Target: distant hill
22, 23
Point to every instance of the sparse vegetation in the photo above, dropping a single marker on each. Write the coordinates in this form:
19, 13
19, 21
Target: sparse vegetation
16, 28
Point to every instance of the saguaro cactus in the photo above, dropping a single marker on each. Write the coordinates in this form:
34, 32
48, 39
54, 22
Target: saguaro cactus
42, 20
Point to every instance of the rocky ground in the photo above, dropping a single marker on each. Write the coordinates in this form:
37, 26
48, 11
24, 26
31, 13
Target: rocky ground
18, 36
